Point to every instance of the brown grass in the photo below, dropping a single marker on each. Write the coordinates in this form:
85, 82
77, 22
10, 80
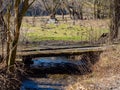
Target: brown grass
106, 75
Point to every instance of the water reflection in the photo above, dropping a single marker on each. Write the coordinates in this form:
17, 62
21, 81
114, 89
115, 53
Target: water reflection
51, 65
48, 61
32, 85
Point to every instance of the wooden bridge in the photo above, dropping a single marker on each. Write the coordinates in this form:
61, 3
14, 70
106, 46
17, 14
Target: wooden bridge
30, 53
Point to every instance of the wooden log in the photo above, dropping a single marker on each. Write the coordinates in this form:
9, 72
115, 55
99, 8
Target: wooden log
59, 52
42, 48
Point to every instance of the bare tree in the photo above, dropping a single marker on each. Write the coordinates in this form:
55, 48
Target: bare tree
16, 8
101, 8
75, 8
51, 7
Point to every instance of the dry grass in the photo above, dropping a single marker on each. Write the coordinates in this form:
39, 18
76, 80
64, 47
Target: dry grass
106, 75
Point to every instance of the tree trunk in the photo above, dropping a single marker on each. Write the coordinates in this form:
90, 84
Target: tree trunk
12, 38
62, 12
80, 12
2, 33
97, 9
115, 22
52, 15
13, 46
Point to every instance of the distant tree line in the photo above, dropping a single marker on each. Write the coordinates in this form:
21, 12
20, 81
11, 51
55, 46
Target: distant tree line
77, 9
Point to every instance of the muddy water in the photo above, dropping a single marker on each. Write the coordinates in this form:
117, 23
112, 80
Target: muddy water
49, 65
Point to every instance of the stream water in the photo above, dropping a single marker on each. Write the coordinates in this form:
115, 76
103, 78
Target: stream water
46, 83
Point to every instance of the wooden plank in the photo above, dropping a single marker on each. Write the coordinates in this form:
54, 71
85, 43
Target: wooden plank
60, 52
53, 48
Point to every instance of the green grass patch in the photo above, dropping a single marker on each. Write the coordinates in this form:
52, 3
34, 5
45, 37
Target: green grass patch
63, 32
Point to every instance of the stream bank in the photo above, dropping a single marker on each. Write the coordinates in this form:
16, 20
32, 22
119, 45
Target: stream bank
54, 73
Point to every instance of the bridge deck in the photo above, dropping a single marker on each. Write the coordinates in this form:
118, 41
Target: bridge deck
58, 51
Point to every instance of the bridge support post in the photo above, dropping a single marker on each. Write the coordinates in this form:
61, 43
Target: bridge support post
27, 61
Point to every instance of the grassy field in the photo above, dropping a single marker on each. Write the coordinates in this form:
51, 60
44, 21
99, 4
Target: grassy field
38, 31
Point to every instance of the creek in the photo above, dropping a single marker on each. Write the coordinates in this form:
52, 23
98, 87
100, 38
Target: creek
55, 66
